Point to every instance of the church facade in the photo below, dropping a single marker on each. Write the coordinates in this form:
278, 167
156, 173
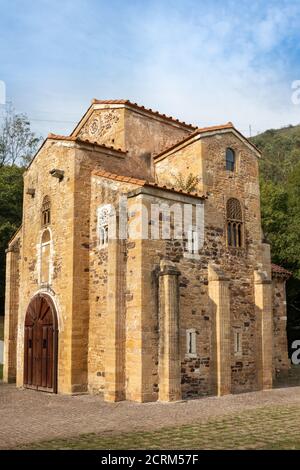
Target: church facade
140, 271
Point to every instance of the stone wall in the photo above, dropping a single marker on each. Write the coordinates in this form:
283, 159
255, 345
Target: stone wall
60, 288
124, 310
139, 133
281, 361
147, 135
238, 265
103, 191
69, 227
184, 160
12, 286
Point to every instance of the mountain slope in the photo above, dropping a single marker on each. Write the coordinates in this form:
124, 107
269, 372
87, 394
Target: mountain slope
281, 152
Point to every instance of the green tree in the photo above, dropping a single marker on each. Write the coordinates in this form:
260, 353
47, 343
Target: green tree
280, 202
11, 196
17, 142
281, 152
274, 211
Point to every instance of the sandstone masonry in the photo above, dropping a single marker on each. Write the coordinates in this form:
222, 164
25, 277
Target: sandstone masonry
134, 317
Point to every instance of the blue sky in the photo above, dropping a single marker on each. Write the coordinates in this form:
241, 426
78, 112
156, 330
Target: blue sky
205, 62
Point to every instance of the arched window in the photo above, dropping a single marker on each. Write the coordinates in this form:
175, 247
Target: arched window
234, 223
45, 257
230, 159
46, 211
102, 222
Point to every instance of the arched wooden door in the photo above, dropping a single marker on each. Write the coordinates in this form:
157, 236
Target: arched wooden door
40, 345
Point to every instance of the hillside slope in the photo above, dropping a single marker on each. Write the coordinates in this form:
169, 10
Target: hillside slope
280, 203
281, 152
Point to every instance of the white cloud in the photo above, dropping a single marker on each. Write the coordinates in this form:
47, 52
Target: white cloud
210, 71
203, 62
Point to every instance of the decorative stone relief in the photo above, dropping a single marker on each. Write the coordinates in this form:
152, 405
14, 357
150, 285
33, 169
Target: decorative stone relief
100, 125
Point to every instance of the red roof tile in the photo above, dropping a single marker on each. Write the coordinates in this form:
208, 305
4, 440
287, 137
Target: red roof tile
84, 141
142, 182
202, 130
280, 271
148, 110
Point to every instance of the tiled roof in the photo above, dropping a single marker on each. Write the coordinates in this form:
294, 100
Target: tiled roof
84, 141
142, 182
142, 108
203, 130
280, 271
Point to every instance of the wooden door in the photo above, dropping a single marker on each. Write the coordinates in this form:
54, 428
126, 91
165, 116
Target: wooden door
40, 345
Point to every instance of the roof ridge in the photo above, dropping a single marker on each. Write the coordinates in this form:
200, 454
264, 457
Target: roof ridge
149, 110
200, 130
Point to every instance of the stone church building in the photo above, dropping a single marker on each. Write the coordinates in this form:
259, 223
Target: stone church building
92, 306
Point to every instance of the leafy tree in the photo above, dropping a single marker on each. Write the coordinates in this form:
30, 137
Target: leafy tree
281, 152
11, 196
280, 201
274, 211
17, 142
17, 147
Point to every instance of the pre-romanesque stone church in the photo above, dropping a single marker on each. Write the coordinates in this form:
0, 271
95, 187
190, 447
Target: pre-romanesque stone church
93, 306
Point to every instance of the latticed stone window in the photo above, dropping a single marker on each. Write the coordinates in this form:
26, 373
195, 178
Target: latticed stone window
46, 212
102, 223
230, 159
234, 223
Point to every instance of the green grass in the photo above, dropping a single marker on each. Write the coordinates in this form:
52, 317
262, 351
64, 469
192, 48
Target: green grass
263, 428
1, 327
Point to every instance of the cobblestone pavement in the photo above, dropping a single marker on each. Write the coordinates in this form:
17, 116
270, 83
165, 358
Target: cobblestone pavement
27, 416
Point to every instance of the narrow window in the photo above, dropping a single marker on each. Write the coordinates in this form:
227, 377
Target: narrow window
191, 342
193, 241
229, 239
45, 257
230, 159
46, 213
234, 223
102, 223
103, 235
237, 342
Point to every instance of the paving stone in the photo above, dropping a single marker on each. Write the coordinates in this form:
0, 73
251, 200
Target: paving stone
27, 416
